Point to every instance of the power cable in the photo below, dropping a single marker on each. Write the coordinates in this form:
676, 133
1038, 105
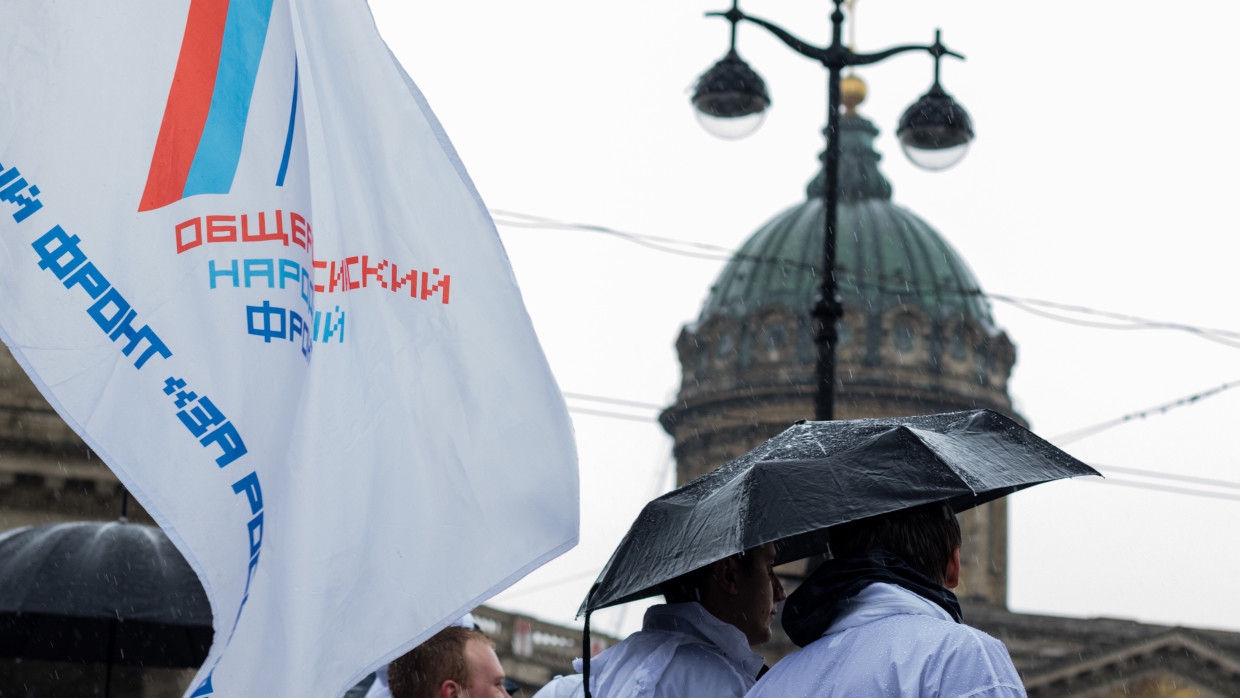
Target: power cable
1131, 322
1164, 488
612, 400
698, 250
1065, 438
560, 581
669, 245
1130, 319
1083, 432
613, 415
715, 252
1171, 476
1061, 439
1033, 306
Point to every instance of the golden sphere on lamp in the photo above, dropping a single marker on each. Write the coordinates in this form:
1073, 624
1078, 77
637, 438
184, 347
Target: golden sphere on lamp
852, 93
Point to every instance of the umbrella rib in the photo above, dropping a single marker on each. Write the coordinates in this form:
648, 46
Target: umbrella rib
45, 565
925, 439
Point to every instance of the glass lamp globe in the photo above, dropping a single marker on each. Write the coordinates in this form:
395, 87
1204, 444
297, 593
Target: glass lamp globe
730, 127
935, 132
934, 159
730, 99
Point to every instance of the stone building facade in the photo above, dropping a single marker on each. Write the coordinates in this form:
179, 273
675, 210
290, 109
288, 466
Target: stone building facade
47, 474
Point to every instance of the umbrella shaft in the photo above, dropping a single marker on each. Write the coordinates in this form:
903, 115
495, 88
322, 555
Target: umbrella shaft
107, 681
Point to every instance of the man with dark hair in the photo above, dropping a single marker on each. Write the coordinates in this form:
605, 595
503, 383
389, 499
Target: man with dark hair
696, 645
455, 663
878, 619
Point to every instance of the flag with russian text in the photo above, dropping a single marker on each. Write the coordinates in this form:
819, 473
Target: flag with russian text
239, 256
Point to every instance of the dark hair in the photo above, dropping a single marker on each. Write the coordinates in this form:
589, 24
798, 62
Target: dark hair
422, 670
689, 586
924, 537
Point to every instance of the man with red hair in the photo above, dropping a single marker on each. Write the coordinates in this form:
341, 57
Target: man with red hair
454, 663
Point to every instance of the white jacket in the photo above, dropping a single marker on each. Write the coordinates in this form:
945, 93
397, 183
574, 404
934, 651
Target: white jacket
682, 651
892, 642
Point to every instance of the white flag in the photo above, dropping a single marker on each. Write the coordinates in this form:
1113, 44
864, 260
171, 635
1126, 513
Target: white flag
240, 258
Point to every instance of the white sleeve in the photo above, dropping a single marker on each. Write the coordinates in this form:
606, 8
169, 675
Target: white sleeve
562, 687
379, 689
1000, 691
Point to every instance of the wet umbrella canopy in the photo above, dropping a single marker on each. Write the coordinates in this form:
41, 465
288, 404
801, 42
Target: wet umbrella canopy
814, 475
118, 593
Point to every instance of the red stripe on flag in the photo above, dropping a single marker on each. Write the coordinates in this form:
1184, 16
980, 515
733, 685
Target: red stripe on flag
189, 102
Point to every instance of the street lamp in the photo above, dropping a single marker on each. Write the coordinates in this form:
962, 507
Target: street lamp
934, 133
730, 99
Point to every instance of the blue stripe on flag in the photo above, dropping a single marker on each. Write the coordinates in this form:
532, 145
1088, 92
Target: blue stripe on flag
219, 149
288, 140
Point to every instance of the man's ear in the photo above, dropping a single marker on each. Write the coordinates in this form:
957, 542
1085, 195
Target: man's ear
449, 689
951, 577
726, 573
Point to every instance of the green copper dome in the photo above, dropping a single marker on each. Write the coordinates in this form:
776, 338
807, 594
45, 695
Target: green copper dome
916, 335
886, 256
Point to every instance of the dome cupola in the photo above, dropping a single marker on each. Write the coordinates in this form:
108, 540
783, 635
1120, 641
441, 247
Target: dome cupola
886, 257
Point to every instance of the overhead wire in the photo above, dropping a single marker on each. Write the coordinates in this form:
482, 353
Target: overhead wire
1165, 488
662, 244
1105, 469
1168, 489
1130, 322
1130, 319
1170, 476
612, 400
576, 409
605, 413
1033, 306
1152, 474
1083, 432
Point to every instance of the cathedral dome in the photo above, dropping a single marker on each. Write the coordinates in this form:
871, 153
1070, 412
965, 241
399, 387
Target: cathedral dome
886, 257
916, 335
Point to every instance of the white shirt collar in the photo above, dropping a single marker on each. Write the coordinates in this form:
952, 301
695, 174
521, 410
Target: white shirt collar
694, 620
880, 600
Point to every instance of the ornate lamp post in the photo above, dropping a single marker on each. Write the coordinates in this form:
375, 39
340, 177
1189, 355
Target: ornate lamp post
934, 133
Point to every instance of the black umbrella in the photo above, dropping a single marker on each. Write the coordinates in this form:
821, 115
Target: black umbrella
118, 593
815, 475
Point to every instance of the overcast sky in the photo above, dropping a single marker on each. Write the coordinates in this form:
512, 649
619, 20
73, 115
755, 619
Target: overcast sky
1102, 176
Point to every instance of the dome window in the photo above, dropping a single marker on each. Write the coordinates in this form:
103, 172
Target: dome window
955, 347
904, 337
981, 363
776, 337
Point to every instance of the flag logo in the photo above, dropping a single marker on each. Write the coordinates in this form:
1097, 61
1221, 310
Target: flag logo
199, 143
